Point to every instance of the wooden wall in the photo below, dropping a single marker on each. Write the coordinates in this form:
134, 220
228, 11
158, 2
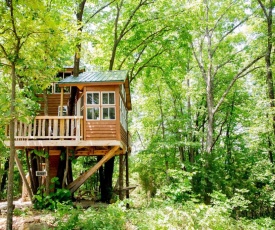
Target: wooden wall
53, 103
93, 130
101, 130
123, 134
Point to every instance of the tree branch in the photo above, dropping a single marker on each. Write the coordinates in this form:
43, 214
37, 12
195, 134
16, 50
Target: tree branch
228, 33
226, 62
149, 38
145, 64
263, 8
239, 75
99, 10
124, 29
220, 18
4, 50
203, 71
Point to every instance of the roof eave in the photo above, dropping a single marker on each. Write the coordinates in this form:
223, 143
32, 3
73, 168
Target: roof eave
64, 84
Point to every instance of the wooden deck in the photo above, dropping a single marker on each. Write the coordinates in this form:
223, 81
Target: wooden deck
47, 131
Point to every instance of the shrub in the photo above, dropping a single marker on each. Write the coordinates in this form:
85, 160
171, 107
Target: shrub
42, 201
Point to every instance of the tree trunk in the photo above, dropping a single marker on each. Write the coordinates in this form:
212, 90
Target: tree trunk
61, 169
77, 60
48, 181
12, 150
70, 172
269, 78
34, 168
4, 177
79, 17
106, 177
66, 168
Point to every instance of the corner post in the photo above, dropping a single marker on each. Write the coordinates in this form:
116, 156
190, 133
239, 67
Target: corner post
61, 113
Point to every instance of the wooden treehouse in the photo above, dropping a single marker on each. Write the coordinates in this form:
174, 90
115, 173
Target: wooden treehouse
85, 116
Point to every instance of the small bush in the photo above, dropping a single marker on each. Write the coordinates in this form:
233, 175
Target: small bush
42, 201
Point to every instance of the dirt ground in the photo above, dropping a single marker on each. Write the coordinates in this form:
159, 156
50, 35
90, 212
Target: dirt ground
25, 217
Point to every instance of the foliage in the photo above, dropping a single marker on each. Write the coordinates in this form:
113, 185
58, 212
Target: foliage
44, 201
111, 217
158, 215
179, 186
202, 119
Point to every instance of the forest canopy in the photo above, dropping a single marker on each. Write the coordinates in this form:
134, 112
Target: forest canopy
201, 76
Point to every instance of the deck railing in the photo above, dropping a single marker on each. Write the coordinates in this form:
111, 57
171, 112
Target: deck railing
50, 127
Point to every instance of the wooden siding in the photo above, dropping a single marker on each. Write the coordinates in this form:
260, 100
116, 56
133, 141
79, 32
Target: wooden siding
103, 130
123, 135
53, 103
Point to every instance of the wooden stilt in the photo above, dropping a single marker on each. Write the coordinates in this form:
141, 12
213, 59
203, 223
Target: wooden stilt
127, 177
80, 180
121, 193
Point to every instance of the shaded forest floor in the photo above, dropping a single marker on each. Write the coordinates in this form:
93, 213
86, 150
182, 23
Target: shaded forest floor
143, 214
26, 217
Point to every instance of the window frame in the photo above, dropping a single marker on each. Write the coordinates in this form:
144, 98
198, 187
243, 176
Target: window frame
101, 107
108, 105
93, 106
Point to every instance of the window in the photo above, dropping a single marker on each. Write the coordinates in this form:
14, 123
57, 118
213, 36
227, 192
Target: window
123, 114
93, 98
57, 89
93, 113
108, 112
123, 92
65, 108
108, 98
93, 106
101, 106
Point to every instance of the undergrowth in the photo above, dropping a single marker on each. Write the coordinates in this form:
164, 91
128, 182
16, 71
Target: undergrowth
156, 215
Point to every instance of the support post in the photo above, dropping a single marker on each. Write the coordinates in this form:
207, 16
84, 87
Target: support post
120, 183
61, 133
127, 177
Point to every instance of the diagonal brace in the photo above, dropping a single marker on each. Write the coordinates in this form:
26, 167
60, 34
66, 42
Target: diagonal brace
81, 179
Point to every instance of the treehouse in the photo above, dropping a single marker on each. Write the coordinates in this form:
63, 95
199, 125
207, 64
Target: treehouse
84, 116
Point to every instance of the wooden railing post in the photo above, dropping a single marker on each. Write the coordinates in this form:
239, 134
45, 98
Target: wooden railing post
61, 125
46, 127
77, 129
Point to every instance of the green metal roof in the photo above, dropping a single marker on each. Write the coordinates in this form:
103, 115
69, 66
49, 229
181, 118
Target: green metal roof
89, 77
